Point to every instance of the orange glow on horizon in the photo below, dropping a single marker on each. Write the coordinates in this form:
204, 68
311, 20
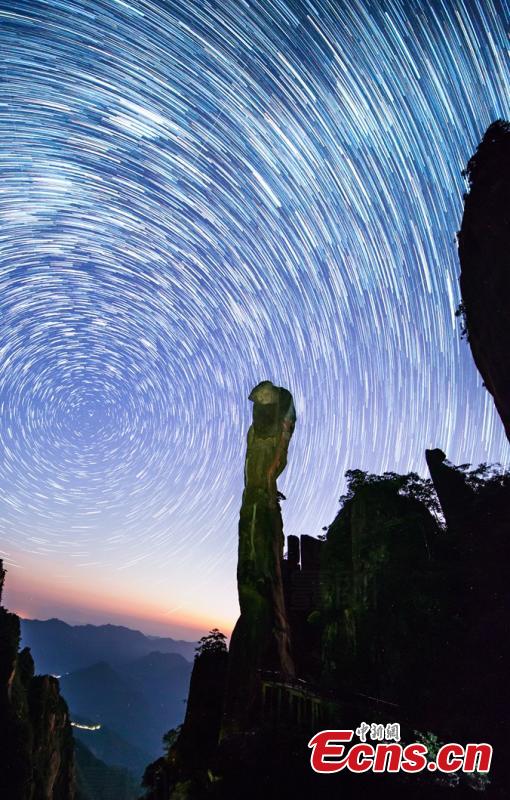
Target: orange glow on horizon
71, 600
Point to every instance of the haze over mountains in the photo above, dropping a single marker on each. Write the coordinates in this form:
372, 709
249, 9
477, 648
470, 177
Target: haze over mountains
131, 685
108, 746
97, 781
140, 700
58, 647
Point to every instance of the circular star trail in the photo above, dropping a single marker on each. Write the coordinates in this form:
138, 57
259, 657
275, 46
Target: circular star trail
198, 196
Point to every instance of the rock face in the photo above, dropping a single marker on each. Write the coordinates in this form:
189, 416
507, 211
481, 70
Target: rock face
479, 513
381, 583
454, 493
36, 743
261, 637
201, 726
184, 771
484, 252
301, 572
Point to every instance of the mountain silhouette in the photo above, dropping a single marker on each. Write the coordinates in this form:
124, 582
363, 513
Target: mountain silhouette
58, 648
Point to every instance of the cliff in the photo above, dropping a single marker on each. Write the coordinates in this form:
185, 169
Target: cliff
477, 502
383, 579
185, 770
36, 743
484, 246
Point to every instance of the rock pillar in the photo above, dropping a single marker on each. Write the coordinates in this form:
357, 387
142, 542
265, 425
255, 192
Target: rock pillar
261, 637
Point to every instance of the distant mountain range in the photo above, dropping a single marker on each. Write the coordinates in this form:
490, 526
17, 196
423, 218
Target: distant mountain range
58, 648
140, 700
134, 686
109, 746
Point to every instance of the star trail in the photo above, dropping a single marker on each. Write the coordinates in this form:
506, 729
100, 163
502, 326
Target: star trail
198, 196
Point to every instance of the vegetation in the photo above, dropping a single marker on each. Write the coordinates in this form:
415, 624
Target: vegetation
410, 485
486, 476
484, 480
460, 311
170, 738
492, 149
214, 642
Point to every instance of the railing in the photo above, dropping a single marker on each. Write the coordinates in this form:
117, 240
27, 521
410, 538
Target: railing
290, 701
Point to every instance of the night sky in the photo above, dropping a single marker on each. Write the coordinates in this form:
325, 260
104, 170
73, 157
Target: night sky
198, 196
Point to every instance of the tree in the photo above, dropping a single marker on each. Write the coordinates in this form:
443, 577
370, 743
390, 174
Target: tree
485, 477
460, 311
2, 577
410, 485
214, 642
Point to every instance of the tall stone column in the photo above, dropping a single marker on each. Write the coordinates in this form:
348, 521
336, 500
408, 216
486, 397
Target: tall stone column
261, 637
